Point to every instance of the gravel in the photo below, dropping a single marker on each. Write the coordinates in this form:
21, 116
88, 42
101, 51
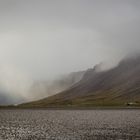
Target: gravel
69, 124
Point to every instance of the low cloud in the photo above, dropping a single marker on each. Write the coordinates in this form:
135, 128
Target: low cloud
40, 40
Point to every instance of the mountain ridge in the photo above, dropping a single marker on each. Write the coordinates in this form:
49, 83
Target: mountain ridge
117, 86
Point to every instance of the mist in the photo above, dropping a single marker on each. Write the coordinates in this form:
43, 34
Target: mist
43, 40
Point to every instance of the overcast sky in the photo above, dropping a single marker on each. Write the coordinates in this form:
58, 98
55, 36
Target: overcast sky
45, 38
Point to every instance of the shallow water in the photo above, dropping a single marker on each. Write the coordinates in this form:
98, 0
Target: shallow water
70, 124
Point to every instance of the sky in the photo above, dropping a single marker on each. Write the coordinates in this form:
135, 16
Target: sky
42, 39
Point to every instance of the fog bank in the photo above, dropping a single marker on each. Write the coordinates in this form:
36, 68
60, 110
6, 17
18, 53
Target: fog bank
41, 40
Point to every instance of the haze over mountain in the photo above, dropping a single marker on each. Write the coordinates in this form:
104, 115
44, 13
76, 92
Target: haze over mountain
117, 86
42, 89
40, 40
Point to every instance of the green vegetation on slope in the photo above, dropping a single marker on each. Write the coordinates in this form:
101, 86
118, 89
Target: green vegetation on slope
119, 86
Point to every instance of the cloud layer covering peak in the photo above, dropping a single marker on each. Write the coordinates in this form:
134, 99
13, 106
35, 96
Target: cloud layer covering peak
43, 39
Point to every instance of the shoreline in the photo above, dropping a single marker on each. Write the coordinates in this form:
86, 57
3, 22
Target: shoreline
71, 108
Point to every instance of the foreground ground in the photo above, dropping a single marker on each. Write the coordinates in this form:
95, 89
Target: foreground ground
70, 124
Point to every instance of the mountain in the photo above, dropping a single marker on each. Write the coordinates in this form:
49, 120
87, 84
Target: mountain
6, 99
117, 86
41, 89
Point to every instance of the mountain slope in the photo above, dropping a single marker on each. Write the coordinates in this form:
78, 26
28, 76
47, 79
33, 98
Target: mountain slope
42, 89
117, 86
